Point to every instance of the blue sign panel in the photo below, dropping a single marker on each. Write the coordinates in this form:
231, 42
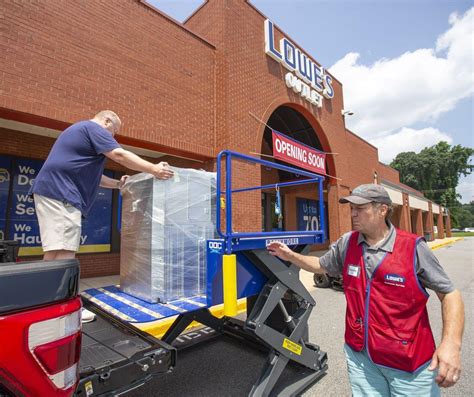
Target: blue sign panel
96, 228
23, 223
5, 173
307, 214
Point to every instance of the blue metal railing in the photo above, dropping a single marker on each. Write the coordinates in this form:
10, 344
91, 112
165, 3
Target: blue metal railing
229, 236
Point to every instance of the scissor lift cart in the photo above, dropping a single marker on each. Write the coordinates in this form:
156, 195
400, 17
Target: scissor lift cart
243, 257
239, 266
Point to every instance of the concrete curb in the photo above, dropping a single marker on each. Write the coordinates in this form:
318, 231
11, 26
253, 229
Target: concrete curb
438, 244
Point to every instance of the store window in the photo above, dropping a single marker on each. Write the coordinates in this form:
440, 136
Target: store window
307, 214
271, 220
17, 210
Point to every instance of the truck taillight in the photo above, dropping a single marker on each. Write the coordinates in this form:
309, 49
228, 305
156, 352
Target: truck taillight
59, 355
56, 345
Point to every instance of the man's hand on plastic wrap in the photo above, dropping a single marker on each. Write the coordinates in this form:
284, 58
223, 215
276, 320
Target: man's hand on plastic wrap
162, 170
122, 181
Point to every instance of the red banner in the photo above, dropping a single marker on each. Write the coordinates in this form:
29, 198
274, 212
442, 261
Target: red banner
296, 153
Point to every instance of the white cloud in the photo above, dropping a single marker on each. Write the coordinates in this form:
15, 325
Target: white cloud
466, 189
408, 140
415, 87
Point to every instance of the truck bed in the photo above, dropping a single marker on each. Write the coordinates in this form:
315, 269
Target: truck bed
117, 357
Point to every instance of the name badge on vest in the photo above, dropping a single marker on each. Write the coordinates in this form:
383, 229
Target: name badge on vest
353, 270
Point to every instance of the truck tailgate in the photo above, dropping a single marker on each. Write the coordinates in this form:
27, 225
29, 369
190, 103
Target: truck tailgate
31, 284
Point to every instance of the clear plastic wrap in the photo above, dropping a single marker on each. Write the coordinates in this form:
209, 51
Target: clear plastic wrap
165, 225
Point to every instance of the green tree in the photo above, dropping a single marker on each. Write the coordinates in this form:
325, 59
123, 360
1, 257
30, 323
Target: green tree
435, 171
463, 215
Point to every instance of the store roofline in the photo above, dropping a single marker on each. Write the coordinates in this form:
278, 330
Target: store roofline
177, 23
401, 187
386, 165
404, 188
195, 11
362, 139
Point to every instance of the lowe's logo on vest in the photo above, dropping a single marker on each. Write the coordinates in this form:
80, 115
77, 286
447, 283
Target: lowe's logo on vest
310, 79
395, 279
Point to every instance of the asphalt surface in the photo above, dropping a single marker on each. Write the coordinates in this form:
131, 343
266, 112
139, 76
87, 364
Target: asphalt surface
224, 367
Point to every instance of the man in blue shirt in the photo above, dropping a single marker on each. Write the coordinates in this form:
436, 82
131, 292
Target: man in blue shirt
67, 184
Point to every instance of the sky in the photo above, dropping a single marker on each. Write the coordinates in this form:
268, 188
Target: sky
407, 66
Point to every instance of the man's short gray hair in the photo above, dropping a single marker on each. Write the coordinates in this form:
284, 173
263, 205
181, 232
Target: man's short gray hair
108, 114
389, 209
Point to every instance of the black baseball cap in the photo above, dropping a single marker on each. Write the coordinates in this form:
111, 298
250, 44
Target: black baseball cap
369, 193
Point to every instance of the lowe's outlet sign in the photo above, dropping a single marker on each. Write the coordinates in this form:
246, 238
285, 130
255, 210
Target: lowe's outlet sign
304, 76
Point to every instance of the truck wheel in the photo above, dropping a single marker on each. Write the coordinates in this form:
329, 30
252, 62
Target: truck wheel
322, 280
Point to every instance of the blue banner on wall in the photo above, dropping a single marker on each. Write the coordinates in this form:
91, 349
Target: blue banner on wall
97, 227
23, 223
307, 214
5, 174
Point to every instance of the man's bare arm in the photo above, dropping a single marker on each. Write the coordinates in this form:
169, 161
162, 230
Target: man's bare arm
109, 183
134, 162
447, 356
306, 262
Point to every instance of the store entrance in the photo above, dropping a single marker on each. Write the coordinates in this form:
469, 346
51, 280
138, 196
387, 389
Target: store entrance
271, 220
299, 205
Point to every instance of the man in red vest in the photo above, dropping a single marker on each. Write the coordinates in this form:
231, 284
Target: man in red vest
389, 346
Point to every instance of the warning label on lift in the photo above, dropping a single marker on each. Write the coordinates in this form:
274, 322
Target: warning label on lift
292, 346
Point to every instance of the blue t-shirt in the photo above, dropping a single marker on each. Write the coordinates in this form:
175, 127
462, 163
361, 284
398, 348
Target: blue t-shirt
75, 165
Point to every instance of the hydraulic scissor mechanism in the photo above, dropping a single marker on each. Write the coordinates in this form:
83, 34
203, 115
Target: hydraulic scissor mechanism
288, 340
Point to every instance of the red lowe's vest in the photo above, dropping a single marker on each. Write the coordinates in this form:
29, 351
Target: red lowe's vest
387, 312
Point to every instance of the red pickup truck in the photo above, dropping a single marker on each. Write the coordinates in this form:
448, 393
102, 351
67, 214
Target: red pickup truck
46, 351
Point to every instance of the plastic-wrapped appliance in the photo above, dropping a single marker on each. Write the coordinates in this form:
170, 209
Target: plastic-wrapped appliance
165, 225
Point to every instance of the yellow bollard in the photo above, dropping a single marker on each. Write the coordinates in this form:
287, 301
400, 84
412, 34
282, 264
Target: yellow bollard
229, 278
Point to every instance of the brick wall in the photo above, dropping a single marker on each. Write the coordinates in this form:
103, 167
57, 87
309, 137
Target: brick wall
387, 173
180, 89
66, 60
98, 265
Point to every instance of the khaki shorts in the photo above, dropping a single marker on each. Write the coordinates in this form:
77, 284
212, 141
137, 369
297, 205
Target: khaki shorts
59, 223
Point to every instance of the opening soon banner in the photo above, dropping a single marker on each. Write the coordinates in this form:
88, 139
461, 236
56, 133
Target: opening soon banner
296, 153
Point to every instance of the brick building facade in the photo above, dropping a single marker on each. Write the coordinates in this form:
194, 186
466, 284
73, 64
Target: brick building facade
184, 92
